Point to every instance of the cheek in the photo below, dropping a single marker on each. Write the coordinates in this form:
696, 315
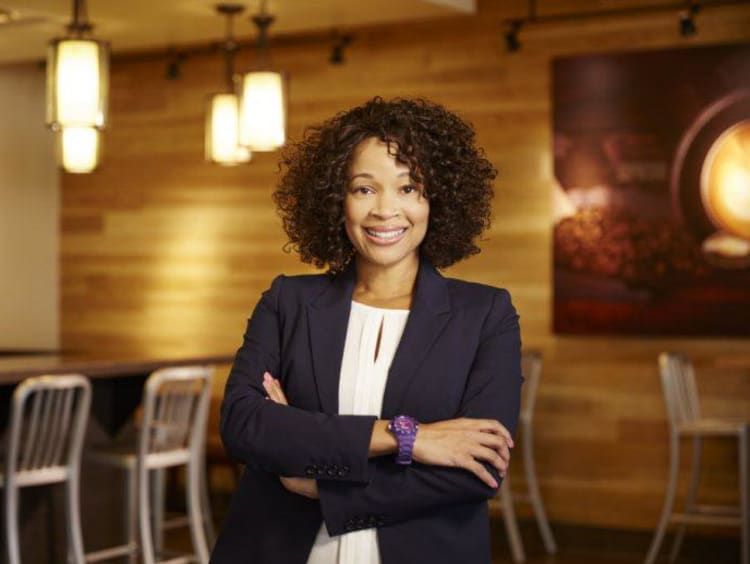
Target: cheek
350, 218
421, 215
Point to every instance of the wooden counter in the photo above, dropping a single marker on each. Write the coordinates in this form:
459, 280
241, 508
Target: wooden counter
117, 379
13, 369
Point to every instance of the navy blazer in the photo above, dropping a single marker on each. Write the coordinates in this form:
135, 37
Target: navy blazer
459, 356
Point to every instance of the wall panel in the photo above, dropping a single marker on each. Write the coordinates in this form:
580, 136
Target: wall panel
163, 251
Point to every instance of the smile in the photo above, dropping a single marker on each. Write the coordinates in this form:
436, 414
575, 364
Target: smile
381, 236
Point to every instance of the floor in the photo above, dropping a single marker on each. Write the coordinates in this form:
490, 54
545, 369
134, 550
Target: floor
584, 545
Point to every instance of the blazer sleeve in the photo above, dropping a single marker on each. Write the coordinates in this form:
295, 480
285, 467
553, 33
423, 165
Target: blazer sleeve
396, 493
281, 439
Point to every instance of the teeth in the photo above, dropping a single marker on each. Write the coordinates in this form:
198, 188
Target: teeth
385, 234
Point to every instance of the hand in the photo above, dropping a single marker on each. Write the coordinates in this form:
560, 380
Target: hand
463, 443
274, 391
301, 486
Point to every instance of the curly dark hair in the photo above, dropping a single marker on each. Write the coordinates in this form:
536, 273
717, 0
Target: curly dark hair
436, 145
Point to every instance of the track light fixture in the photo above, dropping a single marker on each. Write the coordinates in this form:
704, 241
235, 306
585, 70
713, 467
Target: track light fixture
174, 65
687, 25
512, 42
340, 43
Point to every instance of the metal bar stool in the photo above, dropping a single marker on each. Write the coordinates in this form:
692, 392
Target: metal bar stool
47, 426
685, 420
531, 367
172, 434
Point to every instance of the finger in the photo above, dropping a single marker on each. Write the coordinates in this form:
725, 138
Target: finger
269, 390
497, 443
486, 425
490, 456
280, 392
272, 392
492, 426
482, 473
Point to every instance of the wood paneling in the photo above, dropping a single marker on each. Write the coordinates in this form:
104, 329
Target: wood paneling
161, 250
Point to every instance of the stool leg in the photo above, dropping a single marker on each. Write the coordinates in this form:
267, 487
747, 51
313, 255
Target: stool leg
511, 524
674, 468
130, 504
206, 503
11, 523
73, 525
144, 515
158, 502
193, 487
692, 492
744, 475
533, 485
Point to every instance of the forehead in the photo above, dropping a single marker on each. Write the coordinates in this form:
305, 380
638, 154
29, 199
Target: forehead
375, 156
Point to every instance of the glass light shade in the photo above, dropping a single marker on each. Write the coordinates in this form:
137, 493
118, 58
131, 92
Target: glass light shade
725, 181
262, 111
222, 131
81, 149
77, 83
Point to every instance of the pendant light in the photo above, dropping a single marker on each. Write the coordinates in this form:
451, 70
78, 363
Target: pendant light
77, 76
263, 98
80, 149
222, 119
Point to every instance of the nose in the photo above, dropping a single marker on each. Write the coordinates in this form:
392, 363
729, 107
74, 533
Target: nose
386, 206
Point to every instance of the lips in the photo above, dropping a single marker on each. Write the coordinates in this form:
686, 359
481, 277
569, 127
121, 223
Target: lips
384, 236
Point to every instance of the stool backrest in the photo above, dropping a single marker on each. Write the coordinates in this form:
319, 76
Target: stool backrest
680, 389
531, 368
175, 410
48, 423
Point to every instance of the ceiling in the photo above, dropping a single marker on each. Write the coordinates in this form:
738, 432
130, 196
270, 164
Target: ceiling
26, 26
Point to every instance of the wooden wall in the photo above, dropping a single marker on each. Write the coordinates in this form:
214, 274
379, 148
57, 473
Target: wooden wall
162, 251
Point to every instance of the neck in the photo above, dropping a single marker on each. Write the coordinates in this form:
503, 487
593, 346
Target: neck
383, 285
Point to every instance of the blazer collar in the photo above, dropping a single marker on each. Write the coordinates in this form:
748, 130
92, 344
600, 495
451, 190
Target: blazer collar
328, 318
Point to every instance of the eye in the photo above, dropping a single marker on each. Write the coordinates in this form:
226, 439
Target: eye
410, 189
361, 190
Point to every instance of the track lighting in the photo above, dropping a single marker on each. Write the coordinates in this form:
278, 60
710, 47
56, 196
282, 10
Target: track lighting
687, 25
512, 42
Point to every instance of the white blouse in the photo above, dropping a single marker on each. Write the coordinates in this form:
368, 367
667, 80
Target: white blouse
372, 336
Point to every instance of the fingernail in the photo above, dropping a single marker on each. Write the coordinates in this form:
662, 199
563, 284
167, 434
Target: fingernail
267, 377
494, 484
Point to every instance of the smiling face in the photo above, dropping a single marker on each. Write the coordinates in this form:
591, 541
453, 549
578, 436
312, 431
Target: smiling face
386, 212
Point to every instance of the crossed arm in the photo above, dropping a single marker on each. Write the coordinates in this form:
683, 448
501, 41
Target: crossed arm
456, 461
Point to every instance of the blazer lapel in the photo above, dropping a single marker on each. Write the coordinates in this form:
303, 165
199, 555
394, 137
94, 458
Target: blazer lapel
429, 314
328, 318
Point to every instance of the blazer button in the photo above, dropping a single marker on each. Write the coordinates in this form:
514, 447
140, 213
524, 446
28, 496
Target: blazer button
341, 473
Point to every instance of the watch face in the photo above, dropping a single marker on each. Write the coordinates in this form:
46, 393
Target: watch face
403, 425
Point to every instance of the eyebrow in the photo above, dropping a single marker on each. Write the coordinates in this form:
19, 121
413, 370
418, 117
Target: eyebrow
371, 177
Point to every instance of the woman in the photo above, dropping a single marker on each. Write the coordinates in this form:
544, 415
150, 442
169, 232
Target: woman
373, 406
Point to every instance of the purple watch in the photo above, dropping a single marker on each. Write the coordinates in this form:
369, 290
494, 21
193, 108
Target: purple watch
404, 428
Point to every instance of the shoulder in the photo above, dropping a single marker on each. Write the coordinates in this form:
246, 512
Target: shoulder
473, 294
489, 306
300, 288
